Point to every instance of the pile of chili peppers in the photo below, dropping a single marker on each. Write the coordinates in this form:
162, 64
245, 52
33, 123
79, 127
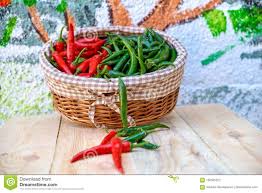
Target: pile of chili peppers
113, 56
122, 140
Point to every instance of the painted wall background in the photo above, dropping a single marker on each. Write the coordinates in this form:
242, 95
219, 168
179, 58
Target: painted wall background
224, 53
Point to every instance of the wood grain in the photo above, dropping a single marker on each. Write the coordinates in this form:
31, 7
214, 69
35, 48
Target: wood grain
27, 144
202, 139
234, 140
181, 151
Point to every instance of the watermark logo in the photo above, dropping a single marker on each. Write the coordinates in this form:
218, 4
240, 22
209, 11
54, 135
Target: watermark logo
10, 182
174, 178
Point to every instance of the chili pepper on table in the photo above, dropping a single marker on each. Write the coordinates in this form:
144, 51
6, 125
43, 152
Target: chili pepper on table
123, 102
147, 145
60, 43
124, 132
116, 154
137, 136
133, 59
70, 44
108, 137
100, 150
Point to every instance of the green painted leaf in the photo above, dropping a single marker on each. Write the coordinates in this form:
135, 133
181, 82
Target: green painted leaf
216, 55
216, 21
8, 31
62, 6
247, 20
29, 3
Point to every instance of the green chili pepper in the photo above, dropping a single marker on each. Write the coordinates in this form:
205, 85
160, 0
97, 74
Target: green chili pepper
123, 102
151, 54
121, 62
78, 59
140, 55
107, 49
111, 62
173, 55
132, 37
137, 137
132, 130
115, 74
115, 45
133, 62
146, 50
114, 55
155, 43
147, 145
164, 55
165, 63
156, 36
127, 65
148, 35
50, 59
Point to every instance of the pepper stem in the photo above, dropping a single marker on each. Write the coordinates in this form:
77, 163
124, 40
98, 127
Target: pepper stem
79, 55
77, 71
61, 39
52, 47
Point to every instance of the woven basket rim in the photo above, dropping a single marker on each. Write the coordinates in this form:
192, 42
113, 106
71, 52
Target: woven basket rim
54, 73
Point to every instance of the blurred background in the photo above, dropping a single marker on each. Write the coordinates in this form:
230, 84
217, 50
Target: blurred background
223, 40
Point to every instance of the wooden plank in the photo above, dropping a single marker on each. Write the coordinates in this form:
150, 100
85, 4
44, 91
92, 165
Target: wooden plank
27, 144
234, 140
181, 151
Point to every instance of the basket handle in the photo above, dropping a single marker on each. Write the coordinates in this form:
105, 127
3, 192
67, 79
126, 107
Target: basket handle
108, 101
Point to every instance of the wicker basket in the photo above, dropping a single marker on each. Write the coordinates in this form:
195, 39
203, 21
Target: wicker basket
94, 101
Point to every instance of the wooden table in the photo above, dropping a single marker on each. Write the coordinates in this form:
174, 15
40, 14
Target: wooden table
203, 139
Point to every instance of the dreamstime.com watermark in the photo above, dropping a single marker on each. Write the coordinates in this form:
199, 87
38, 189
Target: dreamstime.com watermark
10, 182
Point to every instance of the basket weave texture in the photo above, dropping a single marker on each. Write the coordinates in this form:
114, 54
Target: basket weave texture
95, 102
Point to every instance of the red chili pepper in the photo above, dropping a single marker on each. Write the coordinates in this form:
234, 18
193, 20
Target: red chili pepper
108, 67
92, 63
95, 45
70, 44
83, 66
4, 3
89, 53
88, 40
75, 63
100, 150
61, 63
60, 43
87, 75
63, 53
108, 137
85, 54
116, 154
